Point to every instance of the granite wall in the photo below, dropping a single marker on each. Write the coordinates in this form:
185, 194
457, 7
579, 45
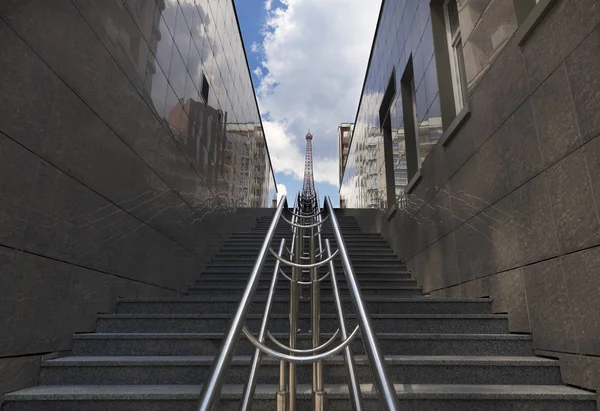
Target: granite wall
509, 205
117, 179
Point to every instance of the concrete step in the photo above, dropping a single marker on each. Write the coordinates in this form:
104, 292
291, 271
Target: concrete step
355, 258
412, 397
375, 305
360, 273
118, 344
385, 323
271, 262
326, 289
160, 370
350, 245
244, 253
359, 270
239, 282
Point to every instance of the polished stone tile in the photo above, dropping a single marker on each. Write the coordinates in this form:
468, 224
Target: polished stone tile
583, 288
90, 295
573, 203
552, 321
18, 168
558, 131
437, 265
576, 19
508, 292
583, 66
7, 264
532, 219
19, 372
592, 158
580, 370
479, 287
38, 307
434, 219
508, 159
28, 89
542, 50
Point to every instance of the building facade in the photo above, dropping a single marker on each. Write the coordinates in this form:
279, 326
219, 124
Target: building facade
129, 131
344, 133
486, 117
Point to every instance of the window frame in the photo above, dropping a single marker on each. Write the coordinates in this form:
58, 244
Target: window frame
457, 61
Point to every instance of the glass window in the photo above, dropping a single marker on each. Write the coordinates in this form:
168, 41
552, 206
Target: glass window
455, 50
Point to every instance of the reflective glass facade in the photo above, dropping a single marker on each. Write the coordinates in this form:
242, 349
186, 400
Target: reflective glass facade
405, 34
189, 59
404, 31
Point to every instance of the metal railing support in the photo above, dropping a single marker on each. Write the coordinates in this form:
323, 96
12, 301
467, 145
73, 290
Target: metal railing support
387, 393
211, 390
255, 364
353, 384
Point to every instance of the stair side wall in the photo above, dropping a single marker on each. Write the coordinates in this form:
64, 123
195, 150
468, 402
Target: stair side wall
510, 206
99, 198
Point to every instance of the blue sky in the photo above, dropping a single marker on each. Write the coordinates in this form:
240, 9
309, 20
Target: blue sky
308, 60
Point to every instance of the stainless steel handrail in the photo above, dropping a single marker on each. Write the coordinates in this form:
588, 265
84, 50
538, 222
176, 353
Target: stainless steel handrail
211, 390
307, 244
353, 384
254, 366
387, 393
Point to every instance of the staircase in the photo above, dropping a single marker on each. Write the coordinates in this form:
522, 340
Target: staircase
442, 354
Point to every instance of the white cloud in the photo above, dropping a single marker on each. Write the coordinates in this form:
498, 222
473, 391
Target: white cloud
281, 191
268, 4
254, 47
258, 71
314, 59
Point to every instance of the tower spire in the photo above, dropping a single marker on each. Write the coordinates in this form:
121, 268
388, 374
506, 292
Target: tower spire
308, 188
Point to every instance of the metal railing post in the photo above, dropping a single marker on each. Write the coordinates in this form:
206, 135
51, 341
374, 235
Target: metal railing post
319, 396
387, 393
255, 364
353, 384
211, 390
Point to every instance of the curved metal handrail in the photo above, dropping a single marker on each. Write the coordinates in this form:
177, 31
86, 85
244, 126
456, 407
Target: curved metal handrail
304, 282
387, 393
306, 216
304, 226
314, 265
292, 254
310, 350
299, 359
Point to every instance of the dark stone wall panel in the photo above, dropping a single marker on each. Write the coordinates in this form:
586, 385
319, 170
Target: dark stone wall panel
18, 372
552, 320
573, 204
583, 66
522, 177
557, 128
508, 292
583, 287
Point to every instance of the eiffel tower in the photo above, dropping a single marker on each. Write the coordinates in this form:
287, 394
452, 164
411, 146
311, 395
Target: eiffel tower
308, 197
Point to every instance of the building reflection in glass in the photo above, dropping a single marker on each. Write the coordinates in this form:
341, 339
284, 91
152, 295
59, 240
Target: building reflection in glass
188, 61
364, 182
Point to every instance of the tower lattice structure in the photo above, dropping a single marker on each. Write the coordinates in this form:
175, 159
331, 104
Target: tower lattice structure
308, 187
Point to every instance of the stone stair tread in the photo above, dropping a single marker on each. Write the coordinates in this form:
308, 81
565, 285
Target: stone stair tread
245, 359
381, 336
193, 299
233, 391
325, 315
